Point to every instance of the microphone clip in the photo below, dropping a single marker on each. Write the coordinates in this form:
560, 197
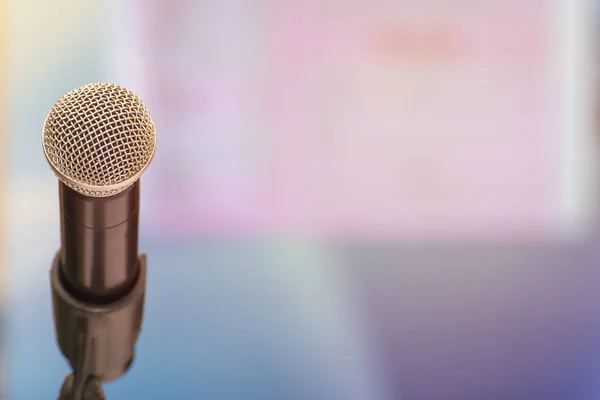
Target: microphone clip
98, 340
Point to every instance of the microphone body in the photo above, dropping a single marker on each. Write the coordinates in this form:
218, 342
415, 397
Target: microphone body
98, 140
99, 257
98, 282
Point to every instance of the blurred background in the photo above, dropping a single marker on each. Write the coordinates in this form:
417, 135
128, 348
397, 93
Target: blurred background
350, 200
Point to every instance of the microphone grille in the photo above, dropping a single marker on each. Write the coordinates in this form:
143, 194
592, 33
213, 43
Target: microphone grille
99, 139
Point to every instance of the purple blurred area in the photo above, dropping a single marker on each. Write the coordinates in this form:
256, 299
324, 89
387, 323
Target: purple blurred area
496, 322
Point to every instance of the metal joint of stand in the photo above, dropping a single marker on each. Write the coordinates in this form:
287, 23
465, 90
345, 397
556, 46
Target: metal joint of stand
90, 389
97, 340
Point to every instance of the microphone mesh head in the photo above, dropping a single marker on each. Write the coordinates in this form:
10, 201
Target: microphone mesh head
99, 139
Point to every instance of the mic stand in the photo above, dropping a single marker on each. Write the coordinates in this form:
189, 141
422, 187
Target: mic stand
92, 390
98, 340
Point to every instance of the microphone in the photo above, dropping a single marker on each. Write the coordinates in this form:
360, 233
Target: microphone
98, 139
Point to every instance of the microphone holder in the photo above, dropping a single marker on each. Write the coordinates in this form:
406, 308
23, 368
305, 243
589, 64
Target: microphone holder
98, 340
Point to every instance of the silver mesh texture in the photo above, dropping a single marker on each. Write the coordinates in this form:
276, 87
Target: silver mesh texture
99, 139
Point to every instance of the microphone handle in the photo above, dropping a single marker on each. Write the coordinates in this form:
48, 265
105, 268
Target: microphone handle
99, 237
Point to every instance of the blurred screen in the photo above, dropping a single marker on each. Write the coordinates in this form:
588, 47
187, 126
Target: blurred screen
352, 119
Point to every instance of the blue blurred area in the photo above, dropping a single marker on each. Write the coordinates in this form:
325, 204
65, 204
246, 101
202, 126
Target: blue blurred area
223, 321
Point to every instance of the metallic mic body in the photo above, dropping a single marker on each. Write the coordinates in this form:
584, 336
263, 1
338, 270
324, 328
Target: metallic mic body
100, 243
98, 140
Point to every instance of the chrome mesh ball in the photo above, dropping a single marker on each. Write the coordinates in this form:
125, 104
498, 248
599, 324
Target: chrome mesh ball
99, 139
